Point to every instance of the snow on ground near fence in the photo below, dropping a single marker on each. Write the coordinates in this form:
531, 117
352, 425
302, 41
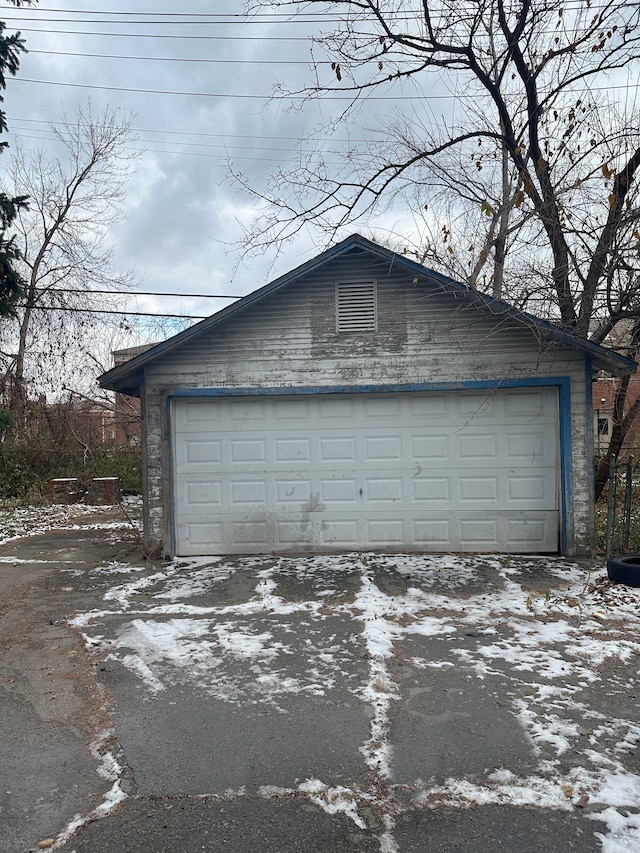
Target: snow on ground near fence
21, 521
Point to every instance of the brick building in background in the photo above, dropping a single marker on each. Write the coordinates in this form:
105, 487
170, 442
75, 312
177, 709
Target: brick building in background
604, 392
126, 410
102, 422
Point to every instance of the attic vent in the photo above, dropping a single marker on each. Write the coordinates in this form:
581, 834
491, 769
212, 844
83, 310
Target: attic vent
356, 307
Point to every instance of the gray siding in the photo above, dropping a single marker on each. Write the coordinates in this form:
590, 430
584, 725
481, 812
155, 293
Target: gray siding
425, 335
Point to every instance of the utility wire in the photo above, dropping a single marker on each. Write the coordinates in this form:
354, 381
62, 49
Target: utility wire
285, 96
180, 58
272, 38
139, 293
307, 63
119, 313
15, 129
244, 96
226, 17
224, 155
280, 138
213, 18
146, 150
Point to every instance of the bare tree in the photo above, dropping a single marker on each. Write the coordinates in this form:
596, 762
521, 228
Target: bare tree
66, 258
538, 163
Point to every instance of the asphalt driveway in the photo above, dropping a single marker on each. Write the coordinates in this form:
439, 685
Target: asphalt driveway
342, 703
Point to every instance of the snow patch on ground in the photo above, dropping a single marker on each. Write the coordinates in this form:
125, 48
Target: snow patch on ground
109, 769
21, 521
372, 606
338, 800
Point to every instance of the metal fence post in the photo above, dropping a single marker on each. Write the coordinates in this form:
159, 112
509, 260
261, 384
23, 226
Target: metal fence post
611, 505
626, 523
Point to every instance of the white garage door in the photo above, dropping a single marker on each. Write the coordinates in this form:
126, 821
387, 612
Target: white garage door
403, 471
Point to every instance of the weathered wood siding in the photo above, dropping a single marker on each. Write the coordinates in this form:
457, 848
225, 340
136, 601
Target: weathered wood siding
425, 335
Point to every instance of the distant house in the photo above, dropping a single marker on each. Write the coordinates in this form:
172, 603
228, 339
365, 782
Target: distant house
363, 401
604, 392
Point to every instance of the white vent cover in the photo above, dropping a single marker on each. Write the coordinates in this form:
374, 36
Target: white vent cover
356, 307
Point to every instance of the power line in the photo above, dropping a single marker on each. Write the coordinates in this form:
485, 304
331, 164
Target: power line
139, 293
227, 151
172, 36
179, 132
179, 58
119, 313
213, 18
319, 91
239, 20
244, 62
228, 17
146, 150
244, 96
14, 129
231, 136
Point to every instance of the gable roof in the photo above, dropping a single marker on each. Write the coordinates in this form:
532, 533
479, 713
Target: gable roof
126, 377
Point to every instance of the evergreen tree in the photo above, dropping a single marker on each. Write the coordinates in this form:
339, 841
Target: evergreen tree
11, 283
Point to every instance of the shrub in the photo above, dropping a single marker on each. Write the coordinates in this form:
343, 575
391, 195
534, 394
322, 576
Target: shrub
47, 446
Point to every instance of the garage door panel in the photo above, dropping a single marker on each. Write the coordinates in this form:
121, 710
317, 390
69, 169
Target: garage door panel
477, 407
248, 451
479, 533
479, 490
528, 447
524, 532
409, 471
429, 408
341, 532
332, 409
530, 489
384, 490
431, 490
292, 491
339, 491
534, 404
201, 534
384, 448
241, 411
203, 494
434, 534
292, 450
247, 492
382, 407
292, 410
385, 533
199, 452
477, 446
430, 448
337, 450
192, 412
252, 532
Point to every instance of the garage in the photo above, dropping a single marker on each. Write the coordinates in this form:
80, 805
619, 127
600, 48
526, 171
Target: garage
451, 471
362, 401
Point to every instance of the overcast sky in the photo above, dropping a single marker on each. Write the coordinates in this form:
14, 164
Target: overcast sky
198, 84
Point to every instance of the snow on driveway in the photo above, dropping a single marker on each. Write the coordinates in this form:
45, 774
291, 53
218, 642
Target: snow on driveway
557, 644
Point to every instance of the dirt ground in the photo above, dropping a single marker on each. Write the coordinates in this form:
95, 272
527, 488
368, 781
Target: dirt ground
51, 706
